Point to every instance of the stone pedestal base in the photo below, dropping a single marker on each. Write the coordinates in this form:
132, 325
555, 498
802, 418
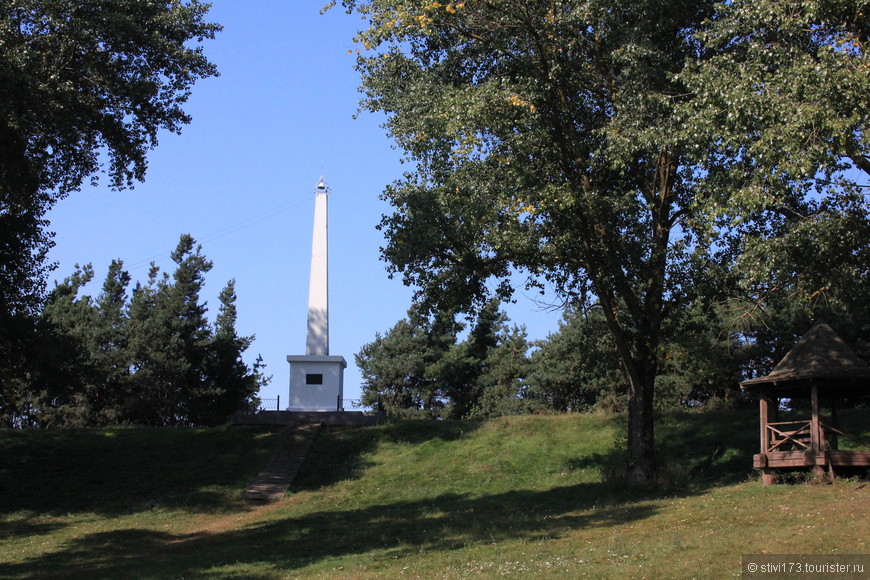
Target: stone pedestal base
316, 383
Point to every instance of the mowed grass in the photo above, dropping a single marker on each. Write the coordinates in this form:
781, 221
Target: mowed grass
514, 497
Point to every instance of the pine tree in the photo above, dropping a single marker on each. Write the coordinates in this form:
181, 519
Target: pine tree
461, 369
111, 348
503, 381
168, 335
578, 366
229, 384
65, 387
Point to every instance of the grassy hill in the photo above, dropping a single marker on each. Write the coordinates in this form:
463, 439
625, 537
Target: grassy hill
513, 497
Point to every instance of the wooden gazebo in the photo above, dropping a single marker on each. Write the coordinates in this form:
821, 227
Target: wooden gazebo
819, 367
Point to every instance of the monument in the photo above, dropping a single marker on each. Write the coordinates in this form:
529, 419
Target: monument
317, 378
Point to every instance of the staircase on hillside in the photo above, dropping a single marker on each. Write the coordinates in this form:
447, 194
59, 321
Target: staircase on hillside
272, 482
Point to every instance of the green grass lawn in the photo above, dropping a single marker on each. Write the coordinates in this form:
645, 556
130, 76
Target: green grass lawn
514, 497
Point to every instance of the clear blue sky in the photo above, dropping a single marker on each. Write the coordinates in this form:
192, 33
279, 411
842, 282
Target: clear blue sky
240, 179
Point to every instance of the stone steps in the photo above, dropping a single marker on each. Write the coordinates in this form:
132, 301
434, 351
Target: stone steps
272, 482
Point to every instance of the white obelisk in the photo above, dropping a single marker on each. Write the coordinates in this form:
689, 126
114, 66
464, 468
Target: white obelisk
316, 378
317, 342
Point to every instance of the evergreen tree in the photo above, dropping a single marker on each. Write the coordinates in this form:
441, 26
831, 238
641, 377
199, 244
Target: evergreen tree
63, 389
110, 351
168, 335
503, 386
578, 366
146, 399
229, 383
460, 371
399, 369
419, 367
152, 358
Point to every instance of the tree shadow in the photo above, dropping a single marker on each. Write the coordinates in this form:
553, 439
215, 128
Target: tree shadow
707, 452
126, 470
26, 527
712, 453
394, 530
692, 451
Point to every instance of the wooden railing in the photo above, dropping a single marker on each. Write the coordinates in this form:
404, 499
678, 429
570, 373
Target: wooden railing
789, 436
797, 436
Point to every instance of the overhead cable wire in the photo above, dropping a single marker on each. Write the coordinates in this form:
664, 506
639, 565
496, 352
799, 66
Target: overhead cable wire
228, 230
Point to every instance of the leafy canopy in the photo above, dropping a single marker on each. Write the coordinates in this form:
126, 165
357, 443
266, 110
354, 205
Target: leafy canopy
84, 77
585, 143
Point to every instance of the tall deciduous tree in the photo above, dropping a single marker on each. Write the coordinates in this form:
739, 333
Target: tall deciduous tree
785, 87
79, 80
782, 98
574, 140
544, 139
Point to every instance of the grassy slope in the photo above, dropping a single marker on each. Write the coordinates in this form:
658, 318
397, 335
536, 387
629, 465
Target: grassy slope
512, 497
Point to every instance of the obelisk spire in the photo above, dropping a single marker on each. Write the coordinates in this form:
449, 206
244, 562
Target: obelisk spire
317, 341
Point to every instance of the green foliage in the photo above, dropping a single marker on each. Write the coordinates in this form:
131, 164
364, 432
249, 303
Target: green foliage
229, 384
86, 76
577, 368
632, 156
503, 381
460, 371
399, 368
152, 358
168, 330
80, 81
781, 108
783, 87
419, 368
543, 139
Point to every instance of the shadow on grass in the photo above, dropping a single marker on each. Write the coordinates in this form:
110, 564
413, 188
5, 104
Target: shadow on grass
710, 452
25, 527
125, 470
706, 451
393, 530
692, 451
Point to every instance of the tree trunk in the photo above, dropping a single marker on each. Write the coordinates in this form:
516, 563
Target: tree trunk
641, 441
641, 376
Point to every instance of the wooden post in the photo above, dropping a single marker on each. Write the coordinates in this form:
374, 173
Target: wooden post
817, 439
835, 441
767, 477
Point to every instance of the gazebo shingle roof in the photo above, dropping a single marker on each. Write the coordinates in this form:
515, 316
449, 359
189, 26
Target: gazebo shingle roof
821, 355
